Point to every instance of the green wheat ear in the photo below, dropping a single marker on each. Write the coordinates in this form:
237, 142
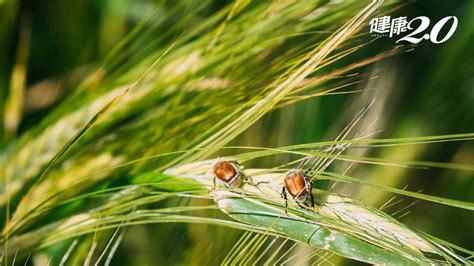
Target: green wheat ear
338, 224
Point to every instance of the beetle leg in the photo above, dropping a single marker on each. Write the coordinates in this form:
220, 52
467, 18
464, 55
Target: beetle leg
255, 184
283, 194
214, 180
247, 180
311, 194
301, 206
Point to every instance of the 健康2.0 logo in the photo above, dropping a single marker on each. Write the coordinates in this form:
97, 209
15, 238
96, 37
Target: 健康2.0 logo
415, 30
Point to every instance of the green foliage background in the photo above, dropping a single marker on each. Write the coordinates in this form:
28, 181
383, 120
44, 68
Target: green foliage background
425, 91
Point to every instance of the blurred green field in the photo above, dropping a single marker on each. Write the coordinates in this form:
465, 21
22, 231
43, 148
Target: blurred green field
219, 58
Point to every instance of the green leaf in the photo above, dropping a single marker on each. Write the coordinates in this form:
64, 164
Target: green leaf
301, 229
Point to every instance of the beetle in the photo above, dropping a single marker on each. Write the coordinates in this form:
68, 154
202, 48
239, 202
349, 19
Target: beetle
229, 173
298, 186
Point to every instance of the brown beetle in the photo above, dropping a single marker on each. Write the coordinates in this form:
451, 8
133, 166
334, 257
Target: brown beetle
298, 186
229, 173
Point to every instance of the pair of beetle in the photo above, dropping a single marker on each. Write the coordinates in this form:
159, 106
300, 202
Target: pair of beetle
296, 183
